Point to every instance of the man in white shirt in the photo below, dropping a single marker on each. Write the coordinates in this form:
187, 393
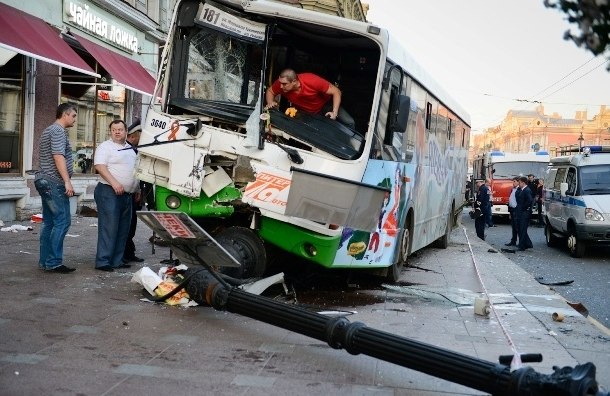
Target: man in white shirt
113, 197
512, 205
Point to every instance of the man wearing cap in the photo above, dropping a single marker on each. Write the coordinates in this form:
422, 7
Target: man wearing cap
133, 138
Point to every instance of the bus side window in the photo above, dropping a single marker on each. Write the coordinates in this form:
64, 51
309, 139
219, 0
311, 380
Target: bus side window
571, 180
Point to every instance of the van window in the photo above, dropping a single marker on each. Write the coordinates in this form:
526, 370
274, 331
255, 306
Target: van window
561, 176
571, 180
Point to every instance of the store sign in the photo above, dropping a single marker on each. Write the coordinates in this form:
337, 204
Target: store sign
80, 15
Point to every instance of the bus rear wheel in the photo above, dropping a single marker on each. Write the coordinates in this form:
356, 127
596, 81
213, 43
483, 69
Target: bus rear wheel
403, 257
247, 248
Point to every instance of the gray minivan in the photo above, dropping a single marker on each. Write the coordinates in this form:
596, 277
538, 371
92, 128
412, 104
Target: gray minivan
577, 199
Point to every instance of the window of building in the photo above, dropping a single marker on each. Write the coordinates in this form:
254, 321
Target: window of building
98, 105
11, 104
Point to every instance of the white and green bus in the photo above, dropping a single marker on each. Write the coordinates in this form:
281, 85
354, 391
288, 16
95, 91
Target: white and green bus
363, 197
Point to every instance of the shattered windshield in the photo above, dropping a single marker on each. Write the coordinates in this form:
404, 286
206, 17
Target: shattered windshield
223, 68
507, 170
594, 179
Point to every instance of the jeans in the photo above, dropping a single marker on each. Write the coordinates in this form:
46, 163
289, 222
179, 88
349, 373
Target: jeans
113, 220
56, 221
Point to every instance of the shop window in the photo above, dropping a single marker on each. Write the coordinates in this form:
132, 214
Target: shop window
98, 105
11, 104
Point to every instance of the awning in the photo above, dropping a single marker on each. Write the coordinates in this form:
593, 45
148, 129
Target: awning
123, 70
31, 36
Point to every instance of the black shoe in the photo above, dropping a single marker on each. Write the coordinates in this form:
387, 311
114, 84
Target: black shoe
134, 259
521, 249
62, 269
106, 268
510, 244
124, 266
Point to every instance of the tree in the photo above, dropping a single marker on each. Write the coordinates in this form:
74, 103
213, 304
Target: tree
593, 20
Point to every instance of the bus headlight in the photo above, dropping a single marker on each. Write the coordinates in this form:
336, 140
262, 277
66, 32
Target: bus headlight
593, 215
173, 202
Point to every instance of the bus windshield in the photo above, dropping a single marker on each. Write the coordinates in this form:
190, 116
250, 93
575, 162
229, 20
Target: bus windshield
508, 170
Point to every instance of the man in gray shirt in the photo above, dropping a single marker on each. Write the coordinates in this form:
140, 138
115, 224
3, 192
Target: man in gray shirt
55, 188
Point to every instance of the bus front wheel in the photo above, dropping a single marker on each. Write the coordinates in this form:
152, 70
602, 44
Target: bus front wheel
247, 248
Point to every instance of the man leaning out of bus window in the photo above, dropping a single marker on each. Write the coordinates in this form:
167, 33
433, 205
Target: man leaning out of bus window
309, 93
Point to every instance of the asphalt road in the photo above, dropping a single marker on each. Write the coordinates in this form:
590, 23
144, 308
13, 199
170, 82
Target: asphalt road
590, 274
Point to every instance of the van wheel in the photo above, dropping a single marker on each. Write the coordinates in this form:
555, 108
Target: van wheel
551, 240
395, 269
577, 247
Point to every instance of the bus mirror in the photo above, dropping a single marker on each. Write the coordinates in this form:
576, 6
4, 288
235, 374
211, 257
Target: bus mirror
401, 116
563, 187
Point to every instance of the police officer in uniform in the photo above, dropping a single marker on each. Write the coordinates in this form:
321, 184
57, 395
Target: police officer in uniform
479, 217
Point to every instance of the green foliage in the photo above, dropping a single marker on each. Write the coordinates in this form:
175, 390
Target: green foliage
593, 20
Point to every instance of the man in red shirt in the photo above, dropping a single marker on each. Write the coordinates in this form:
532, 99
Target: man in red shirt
309, 93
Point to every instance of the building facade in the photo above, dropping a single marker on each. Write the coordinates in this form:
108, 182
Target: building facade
99, 54
523, 131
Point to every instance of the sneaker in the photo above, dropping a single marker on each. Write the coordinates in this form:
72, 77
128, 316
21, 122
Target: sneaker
61, 269
124, 266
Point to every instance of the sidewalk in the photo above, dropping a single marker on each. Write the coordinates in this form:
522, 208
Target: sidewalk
88, 332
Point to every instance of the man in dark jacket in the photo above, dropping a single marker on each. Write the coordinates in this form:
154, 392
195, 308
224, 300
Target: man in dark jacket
523, 210
479, 216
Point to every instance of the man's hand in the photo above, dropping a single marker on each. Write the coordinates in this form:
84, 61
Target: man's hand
69, 188
272, 105
332, 115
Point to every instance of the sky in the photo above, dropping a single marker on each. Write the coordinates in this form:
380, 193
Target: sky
490, 55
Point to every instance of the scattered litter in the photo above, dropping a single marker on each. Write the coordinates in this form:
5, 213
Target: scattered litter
93, 225
492, 251
552, 333
16, 228
1, 223
36, 218
504, 250
560, 283
21, 251
72, 235
558, 316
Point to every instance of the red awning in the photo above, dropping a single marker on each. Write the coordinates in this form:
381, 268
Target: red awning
31, 36
123, 70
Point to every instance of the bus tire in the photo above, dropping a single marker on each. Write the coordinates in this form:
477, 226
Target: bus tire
395, 269
443, 242
247, 248
576, 246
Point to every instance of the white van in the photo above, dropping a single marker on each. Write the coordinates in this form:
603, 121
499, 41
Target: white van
577, 199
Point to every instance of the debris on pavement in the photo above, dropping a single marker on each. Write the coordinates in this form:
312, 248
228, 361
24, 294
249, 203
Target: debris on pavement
16, 228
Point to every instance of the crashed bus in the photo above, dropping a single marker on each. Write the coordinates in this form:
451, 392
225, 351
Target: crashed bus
364, 197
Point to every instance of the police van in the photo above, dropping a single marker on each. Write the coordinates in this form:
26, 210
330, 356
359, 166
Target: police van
577, 199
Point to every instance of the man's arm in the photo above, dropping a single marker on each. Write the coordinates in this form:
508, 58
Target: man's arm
270, 99
106, 175
62, 168
336, 94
